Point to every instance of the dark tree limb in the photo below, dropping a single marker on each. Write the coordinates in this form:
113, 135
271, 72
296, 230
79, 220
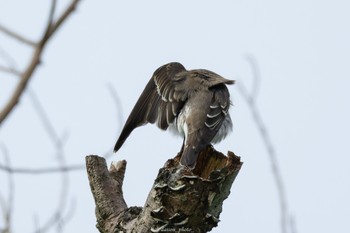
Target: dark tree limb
181, 200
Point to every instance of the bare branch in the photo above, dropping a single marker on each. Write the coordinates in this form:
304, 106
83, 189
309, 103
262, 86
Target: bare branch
39, 109
49, 22
40, 171
117, 104
256, 77
11, 64
61, 19
250, 99
4, 213
8, 206
25, 77
10, 70
293, 225
16, 36
35, 61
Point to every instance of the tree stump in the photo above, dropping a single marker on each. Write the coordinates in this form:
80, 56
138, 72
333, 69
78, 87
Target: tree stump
181, 199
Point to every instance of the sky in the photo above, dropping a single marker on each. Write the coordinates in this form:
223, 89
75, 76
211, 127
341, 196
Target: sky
303, 52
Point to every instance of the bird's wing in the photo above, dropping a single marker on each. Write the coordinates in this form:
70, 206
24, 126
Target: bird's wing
218, 108
159, 102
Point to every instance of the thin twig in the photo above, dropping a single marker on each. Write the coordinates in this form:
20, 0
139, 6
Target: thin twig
62, 18
117, 104
39, 109
4, 212
49, 24
11, 67
8, 206
16, 36
50, 19
250, 98
68, 216
119, 107
40, 171
256, 76
10, 70
292, 224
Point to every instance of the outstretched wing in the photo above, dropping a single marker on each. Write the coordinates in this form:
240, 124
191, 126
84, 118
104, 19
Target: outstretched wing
159, 102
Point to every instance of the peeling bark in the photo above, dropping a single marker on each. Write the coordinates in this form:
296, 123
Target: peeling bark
181, 200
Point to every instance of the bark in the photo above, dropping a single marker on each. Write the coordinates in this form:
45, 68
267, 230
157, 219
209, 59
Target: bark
181, 200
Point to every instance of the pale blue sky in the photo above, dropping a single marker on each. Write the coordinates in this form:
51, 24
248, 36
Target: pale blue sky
303, 51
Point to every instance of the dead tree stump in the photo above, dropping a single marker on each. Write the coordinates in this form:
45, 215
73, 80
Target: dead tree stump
181, 200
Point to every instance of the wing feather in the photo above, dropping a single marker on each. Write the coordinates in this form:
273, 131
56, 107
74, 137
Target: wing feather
139, 114
159, 102
218, 108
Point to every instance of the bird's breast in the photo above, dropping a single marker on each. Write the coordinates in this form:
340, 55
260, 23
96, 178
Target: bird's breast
179, 125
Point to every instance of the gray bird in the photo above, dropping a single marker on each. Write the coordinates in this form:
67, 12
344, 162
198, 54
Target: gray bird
194, 103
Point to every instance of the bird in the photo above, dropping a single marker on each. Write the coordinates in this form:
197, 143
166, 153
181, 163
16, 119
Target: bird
194, 103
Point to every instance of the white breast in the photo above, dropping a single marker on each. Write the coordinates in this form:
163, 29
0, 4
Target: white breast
179, 126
